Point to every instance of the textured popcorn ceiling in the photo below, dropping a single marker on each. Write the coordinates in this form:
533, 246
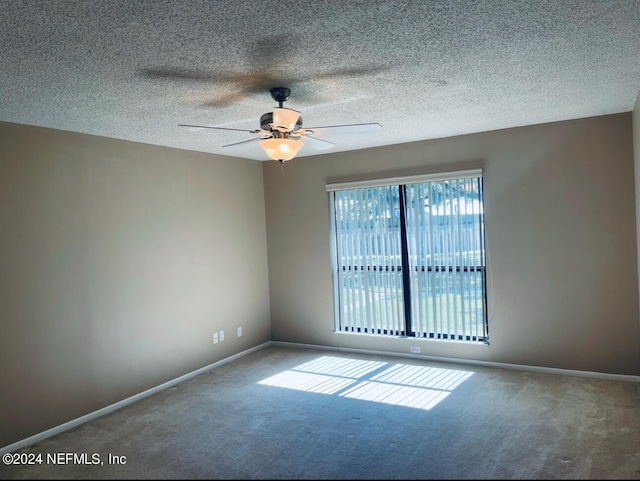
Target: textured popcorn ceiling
425, 69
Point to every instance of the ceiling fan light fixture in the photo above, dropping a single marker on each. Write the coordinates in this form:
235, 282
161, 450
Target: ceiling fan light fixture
281, 149
287, 118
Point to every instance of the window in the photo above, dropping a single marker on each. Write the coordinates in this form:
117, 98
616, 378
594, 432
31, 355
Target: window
409, 258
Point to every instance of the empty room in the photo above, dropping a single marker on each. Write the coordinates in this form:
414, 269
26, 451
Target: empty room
319, 240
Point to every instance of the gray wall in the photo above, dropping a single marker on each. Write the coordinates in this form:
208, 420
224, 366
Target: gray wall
118, 261
560, 233
636, 162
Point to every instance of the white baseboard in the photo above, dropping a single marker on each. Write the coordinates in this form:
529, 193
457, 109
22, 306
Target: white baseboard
518, 367
125, 402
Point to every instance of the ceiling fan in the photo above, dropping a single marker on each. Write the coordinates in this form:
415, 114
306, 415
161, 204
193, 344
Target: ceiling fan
281, 133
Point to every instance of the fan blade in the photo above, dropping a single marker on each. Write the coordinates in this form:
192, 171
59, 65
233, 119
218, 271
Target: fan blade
286, 118
221, 128
316, 144
346, 129
244, 142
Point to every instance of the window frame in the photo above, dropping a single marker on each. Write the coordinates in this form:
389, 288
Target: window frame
401, 183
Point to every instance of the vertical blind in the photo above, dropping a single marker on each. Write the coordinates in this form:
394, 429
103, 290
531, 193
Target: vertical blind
409, 256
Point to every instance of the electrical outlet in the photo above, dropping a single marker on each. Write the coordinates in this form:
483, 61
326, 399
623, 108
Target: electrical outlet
240, 331
221, 336
215, 338
415, 350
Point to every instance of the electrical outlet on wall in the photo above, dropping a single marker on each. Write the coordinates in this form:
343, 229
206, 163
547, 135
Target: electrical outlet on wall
240, 331
215, 338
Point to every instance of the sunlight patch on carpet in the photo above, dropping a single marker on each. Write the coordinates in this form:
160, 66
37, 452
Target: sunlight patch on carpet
398, 384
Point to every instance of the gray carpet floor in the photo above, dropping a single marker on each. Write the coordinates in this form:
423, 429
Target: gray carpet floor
288, 413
